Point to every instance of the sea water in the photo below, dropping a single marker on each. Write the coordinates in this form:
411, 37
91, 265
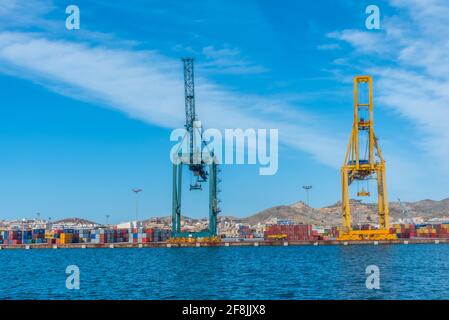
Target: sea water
294, 272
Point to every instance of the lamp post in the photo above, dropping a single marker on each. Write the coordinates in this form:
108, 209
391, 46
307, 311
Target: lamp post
107, 219
23, 230
137, 191
307, 188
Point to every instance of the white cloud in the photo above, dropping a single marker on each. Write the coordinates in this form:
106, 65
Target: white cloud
413, 77
145, 84
22, 14
228, 60
329, 46
364, 42
148, 86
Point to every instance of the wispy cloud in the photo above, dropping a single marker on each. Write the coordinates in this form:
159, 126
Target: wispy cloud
364, 42
149, 87
413, 80
413, 77
329, 46
229, 60
25, 14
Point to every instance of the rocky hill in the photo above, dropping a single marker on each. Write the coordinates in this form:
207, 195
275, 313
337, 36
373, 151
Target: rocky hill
78, 221
299, 212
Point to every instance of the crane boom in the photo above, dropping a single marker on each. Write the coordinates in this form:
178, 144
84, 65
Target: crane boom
189, 95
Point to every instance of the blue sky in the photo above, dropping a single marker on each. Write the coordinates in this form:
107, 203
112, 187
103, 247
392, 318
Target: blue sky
87, 114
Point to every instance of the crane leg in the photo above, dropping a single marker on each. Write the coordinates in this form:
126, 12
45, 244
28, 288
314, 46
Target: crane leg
345, 200
212, 200
359, 167
178, 212
175, 202
383, 201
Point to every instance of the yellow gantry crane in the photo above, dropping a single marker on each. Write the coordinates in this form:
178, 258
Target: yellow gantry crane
364, 162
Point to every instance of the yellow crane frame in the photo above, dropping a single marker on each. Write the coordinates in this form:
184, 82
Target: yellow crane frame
357, 168
280, 236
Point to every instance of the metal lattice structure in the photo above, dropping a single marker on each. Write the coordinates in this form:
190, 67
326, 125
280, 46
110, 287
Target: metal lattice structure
202, 167
189, 95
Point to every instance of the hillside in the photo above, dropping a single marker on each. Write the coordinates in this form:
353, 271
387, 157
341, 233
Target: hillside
75, 221
299, 212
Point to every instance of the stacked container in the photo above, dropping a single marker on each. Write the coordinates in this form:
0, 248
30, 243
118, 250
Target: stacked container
150, 234
298, 232
404, 231
84, 235
122, 235
38, 235
161, 235
95, 236
426, 231
27, 236
65, 238
334, 232
244, 232
12, 237
137, 235
442, 231
101, 236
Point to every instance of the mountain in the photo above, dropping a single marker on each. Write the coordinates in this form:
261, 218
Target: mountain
361, 213
429, 208
299, 212
75, 221
166, 220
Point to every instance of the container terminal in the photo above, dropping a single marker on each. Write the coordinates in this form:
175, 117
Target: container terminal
274, 235
363, 162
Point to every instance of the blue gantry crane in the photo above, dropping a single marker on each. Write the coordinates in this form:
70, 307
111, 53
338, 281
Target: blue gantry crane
200, 162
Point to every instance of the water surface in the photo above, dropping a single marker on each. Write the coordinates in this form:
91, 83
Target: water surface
303, 272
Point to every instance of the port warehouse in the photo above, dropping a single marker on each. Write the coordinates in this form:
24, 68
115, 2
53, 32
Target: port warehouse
272, 234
